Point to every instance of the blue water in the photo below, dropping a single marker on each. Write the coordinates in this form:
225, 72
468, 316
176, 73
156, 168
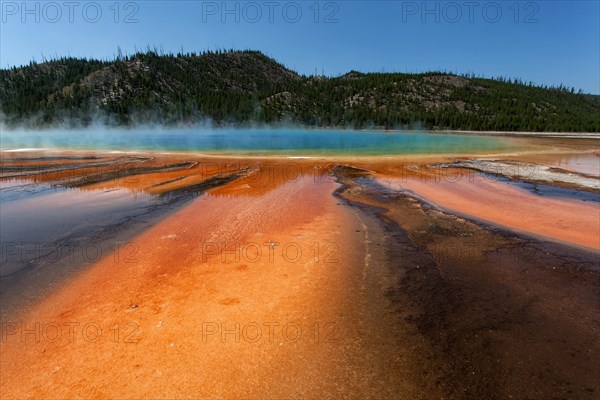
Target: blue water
255, 141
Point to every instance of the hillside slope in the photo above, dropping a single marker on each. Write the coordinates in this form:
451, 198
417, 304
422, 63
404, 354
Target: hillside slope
247, 87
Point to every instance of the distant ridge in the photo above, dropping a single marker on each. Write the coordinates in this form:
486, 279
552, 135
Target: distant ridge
247, 88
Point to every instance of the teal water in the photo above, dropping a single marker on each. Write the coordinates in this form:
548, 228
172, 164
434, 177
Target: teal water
255, 141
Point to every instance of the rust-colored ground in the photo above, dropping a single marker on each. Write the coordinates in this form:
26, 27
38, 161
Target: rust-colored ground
242, 294
268, 283
572, 221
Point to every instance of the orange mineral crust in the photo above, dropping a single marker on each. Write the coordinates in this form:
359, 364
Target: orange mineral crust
299, 278
486, 198
231, 297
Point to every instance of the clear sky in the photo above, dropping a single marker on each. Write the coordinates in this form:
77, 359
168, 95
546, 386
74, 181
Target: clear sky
547, 42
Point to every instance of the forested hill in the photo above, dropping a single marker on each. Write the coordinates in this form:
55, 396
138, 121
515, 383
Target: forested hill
247, 87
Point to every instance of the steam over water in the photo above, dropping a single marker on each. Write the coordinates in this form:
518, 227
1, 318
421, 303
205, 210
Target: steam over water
254, 141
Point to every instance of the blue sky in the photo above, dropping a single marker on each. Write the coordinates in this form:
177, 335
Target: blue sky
547, 42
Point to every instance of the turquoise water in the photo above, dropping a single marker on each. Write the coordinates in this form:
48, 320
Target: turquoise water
255, 141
